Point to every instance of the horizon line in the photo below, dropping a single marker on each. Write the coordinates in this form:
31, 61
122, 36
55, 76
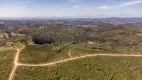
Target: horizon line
63, 17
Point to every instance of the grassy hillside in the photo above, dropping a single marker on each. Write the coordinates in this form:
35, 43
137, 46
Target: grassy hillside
93, 68
47, 53
77, 50
6, 63
42, 54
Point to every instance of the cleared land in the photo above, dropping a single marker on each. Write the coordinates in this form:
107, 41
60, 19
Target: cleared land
6, 63
17, 63
93, 68
35, 54
42, 54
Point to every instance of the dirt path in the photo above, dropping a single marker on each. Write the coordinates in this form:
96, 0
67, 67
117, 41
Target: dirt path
69, 53
17, 63
53, 63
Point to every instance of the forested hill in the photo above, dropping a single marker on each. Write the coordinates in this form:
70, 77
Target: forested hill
107, 36
130, 19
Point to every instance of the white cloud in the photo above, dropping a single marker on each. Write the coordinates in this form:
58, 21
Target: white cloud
16, 2
121, 5
72, 0
103, 7
129, 3
82, 6
88, 8
24, 1
77, 6
76, 1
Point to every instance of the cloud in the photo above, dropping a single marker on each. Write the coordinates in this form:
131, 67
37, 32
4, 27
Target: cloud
76, 1
121, 5
88, 8
72, 0
24, 1
103, 7
82, 6
16, 1
77, 6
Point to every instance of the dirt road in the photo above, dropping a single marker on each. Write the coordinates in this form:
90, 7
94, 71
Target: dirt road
69, 54
53, 63
17, 63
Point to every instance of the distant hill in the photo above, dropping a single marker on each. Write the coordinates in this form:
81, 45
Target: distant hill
131, 19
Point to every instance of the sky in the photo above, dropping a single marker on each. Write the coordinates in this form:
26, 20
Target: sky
70, 8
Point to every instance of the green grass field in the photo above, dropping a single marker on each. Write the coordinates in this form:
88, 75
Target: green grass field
78, 50
92, 68
42, 54
45, 53
6, 63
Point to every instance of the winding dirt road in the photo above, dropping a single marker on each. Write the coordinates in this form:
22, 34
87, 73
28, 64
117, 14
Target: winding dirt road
53, 63
17, 63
